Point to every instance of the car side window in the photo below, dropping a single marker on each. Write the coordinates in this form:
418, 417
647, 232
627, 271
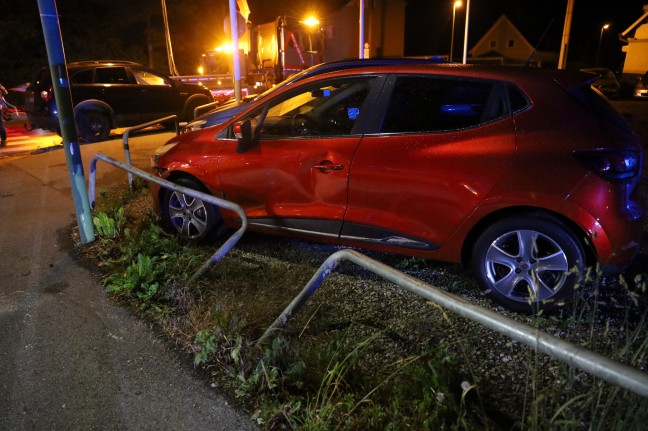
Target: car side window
111, 75
83, 77
145, 77
433, 104
325, 108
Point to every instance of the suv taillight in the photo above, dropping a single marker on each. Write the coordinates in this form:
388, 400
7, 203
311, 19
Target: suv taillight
611, 164
45, 95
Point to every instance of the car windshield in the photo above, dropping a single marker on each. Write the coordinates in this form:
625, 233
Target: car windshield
282, 84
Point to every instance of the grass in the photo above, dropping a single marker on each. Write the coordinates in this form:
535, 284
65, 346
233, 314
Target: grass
372, 368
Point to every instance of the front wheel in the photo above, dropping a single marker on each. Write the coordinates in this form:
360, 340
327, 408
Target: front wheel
529, 263
190, 217
93, 126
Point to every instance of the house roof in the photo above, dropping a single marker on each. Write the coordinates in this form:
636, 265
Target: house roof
490, 34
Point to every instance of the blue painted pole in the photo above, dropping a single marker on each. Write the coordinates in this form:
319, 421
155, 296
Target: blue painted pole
63, 97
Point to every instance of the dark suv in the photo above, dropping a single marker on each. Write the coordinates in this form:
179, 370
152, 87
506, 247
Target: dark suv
112, 94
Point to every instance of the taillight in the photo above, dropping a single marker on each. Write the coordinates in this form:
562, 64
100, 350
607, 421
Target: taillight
611, 164
45, 95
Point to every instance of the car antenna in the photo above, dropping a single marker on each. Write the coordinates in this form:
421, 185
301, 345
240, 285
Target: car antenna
535, 48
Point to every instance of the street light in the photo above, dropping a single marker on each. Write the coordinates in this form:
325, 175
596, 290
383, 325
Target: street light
598, 50
454, 10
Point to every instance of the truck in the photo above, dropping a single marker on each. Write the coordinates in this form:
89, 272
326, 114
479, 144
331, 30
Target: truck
269, 53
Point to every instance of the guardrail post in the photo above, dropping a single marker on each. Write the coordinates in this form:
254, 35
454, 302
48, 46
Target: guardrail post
127, 133
225, 248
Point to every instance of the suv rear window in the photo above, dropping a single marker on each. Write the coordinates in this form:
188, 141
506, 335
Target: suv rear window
111, 75
83, 77
432, 104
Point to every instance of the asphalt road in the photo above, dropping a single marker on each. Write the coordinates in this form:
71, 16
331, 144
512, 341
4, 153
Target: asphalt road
69, 359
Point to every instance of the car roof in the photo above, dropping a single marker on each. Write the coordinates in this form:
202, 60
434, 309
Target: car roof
103, 63
356, 63
516, 74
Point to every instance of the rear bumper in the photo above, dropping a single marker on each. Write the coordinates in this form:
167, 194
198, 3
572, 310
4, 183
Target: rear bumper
43, 122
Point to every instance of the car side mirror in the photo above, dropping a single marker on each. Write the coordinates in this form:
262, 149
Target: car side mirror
243, 132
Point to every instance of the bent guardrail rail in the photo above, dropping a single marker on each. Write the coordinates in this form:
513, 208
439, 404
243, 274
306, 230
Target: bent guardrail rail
204, 107
140, 127
591, 362
222, 203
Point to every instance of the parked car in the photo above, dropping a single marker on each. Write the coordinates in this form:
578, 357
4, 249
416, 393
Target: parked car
112, 94
230, 108
606, 81
528, 174
641, 89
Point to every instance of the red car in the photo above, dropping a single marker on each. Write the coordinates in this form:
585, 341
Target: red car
528, 174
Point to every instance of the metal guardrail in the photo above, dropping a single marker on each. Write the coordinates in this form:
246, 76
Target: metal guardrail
591, 362
140, 127
205, 107
223, 249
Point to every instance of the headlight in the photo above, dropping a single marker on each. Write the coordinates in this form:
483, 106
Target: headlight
160, 151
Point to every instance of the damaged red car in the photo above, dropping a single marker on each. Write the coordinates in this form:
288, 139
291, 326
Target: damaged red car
528, 175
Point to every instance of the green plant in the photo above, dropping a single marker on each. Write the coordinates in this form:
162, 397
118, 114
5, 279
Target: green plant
109, 226
139, 280
277, 370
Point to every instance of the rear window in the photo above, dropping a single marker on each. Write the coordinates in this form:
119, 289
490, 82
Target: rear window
433, 104
83, 77
598, 105
43, 77
111, 75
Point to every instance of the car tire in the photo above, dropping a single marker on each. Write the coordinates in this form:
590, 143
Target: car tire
189, 217
529, 263
93, 126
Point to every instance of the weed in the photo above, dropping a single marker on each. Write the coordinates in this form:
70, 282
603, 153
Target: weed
107, 226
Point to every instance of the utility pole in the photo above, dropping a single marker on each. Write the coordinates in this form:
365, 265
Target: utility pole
465, 50
61, 87
361, 39
564, 46
236, 58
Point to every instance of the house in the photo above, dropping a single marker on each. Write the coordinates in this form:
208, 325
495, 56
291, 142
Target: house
504, 44
636, 48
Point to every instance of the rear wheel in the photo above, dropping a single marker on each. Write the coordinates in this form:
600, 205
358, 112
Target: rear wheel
191, 107
529, 263
190, 217
93, 126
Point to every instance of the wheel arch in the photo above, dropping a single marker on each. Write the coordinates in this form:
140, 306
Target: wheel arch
173, 177
95, 105
193, 102
488, 220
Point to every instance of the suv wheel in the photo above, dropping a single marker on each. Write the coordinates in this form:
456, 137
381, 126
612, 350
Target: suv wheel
191, 107
93, 126
529, 263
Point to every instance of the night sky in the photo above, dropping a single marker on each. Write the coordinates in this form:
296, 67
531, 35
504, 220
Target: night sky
429, 24
99, 29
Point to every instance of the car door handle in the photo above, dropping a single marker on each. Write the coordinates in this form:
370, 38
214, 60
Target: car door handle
328, 166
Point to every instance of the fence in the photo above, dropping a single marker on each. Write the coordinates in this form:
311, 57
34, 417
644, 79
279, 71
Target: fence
596, 364
222, 250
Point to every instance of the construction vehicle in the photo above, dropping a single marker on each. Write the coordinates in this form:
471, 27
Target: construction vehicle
269, 52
